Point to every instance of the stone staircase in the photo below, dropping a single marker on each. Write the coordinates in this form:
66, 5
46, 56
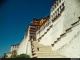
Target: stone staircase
41, 51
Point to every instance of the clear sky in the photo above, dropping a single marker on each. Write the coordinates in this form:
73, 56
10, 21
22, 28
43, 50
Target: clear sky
15, 15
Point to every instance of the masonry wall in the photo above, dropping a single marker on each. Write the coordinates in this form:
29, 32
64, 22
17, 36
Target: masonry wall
71, 48
14, 48
72, 12
69, 44
29, 49
56, 30
23, 45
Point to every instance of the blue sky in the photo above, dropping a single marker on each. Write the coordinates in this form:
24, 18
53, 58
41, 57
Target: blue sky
15, 15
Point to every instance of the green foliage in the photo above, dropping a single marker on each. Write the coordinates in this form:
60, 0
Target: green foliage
20, 56
14, 56
5, 56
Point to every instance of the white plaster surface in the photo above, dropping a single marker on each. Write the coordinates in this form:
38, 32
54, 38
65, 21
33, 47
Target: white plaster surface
69, 45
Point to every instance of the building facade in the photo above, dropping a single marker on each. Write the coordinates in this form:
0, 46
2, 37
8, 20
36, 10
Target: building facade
57, 35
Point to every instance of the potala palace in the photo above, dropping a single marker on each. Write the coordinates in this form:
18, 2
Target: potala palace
54, 36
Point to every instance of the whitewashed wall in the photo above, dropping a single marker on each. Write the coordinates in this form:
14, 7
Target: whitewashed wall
23, 46
54, 32
44, 28
71, 13
29, 49
72, 47
13, 48
69, 45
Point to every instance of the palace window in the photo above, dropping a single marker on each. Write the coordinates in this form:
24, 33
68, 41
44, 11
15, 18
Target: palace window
59, 10
55, 13
79, 17
55, 6
60, 1
57, 3
62, 6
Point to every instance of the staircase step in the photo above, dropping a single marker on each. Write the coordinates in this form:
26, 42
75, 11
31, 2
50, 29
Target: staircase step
51, 57
44, 51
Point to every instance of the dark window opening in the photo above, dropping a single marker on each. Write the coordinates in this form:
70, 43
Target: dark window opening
79, 17
60, 1
63, 4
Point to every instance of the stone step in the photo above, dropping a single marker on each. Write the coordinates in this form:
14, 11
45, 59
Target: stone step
36, 44
44, 56
40, 45
51, 57
46, 52
48, 55
43, 49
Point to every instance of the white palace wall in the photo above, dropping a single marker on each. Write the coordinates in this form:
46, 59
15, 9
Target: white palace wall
70, 43
25, 46
72, 12
22, 47
55, 30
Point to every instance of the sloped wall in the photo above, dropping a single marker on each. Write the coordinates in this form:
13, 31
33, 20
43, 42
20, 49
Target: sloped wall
69, 45
71, 13
72, 48
23, 45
